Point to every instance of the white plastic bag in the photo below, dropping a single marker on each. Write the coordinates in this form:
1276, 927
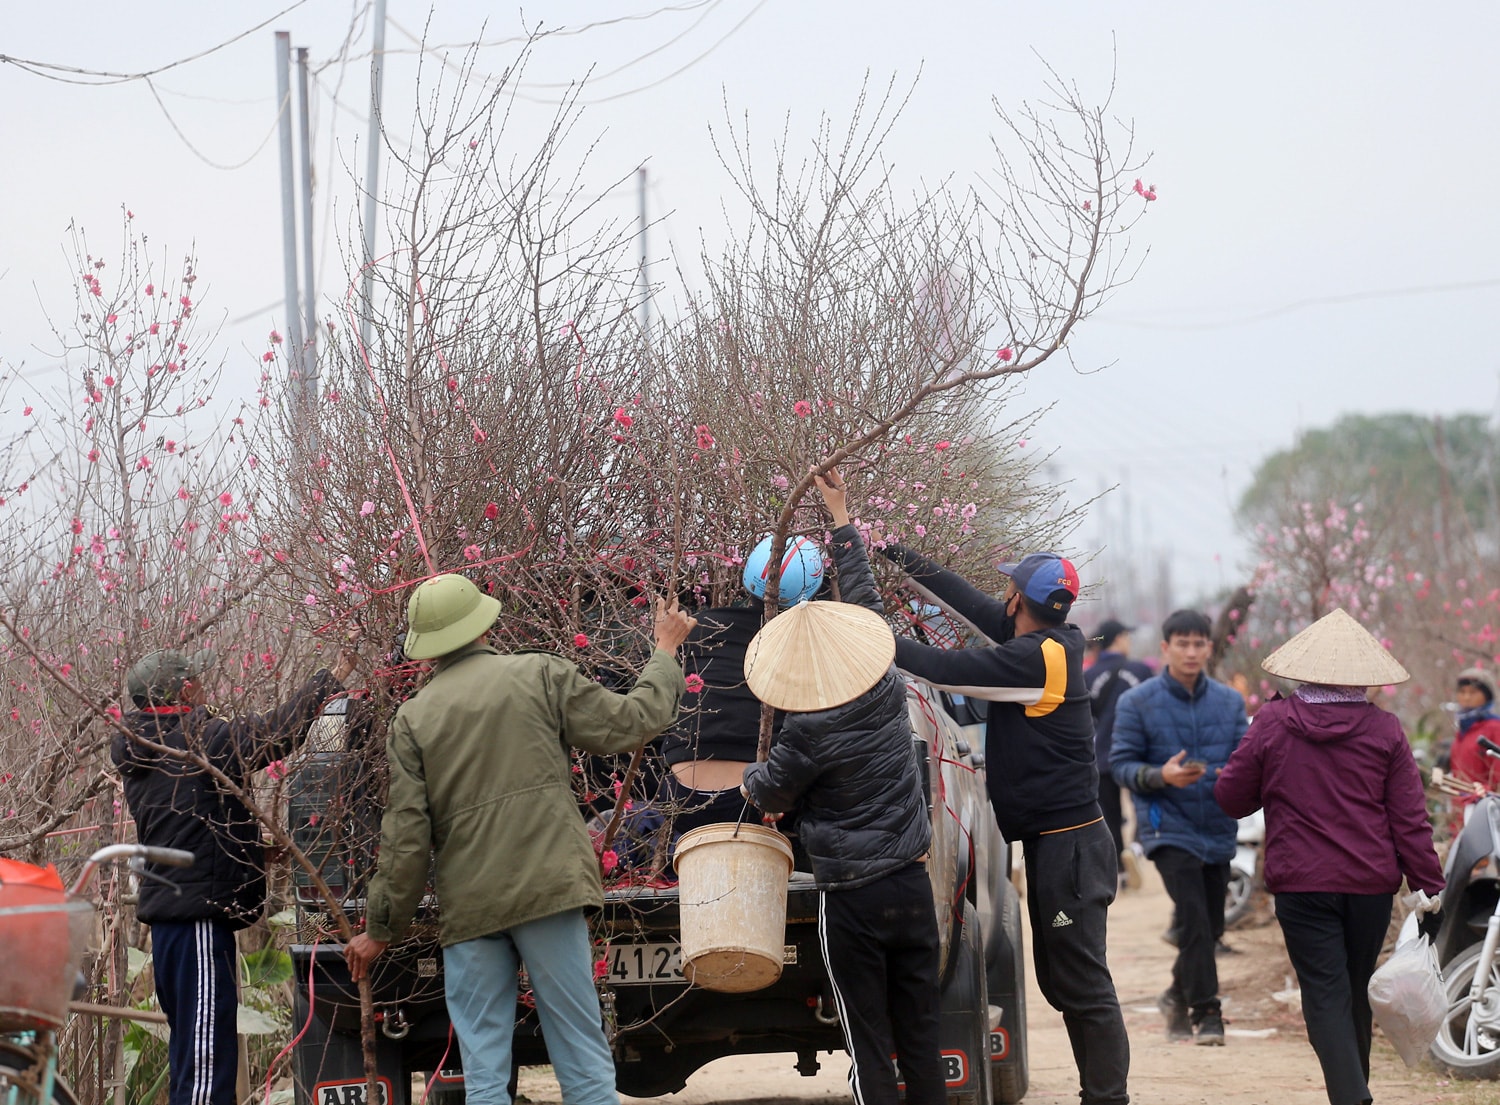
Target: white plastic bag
1409, 1000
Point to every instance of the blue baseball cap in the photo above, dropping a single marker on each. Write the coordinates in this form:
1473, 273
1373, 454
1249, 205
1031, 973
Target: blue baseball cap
1045, 578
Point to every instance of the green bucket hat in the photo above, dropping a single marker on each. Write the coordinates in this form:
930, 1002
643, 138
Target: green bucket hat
445, 613
159, 676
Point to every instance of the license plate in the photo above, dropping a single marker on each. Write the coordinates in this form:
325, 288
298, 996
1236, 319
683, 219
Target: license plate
642, 964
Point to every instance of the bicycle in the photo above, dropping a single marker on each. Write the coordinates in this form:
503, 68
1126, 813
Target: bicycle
44, 932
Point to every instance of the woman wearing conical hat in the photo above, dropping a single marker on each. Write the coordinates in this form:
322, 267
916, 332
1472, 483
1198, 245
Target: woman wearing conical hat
1345, 821
845, 762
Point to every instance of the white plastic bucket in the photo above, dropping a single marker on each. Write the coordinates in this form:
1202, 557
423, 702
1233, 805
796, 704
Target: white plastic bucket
731, 894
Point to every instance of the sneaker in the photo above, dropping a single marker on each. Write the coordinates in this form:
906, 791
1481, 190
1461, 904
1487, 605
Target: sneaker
1221, 948
1208, 1025
1170, 937
1176, 1011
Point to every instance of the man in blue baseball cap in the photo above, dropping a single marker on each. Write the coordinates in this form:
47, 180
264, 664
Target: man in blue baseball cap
1043, 783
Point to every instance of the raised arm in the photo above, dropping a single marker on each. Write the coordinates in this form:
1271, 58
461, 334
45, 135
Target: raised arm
603, 722
984, 612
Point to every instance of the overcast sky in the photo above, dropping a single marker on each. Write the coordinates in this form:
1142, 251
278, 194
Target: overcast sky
1324, 242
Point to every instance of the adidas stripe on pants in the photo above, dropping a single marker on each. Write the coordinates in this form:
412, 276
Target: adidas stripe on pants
193, 962
880, 944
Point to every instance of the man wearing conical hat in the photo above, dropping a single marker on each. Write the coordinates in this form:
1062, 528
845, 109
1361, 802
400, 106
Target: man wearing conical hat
1043, 783
846, 761
480, 776
1346, 820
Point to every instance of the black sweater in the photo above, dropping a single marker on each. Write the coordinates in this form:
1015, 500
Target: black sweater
1039, 744
722, 720
176, 805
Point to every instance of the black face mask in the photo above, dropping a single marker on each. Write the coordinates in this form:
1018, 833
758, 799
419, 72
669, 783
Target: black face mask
1007, 627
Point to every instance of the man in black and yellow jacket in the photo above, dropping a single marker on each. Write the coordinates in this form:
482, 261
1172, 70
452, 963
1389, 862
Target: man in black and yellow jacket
1043, 783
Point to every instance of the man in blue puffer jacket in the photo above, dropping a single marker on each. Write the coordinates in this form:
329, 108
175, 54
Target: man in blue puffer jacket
1172, 736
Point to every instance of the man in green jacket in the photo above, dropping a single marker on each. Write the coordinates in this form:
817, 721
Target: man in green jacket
480, 776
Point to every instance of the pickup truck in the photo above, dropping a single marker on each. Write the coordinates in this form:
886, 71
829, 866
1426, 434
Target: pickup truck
662, 1028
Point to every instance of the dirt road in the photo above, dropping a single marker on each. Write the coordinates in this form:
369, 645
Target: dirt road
1267, 1060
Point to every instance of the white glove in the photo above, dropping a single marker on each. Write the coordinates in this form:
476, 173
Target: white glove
1419, 902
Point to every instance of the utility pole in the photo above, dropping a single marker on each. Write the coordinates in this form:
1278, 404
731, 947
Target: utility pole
372, 176
309, 292
645, 274
288, 200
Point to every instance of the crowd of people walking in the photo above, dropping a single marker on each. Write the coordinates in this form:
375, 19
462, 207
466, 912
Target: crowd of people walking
480, 778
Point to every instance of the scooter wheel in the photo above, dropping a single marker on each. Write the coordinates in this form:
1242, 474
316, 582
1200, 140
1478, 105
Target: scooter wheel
1468, 1043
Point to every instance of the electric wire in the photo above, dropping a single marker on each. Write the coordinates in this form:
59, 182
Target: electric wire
52, 70
1300, 304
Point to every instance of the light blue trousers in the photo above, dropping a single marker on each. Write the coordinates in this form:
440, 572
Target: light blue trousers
480, 980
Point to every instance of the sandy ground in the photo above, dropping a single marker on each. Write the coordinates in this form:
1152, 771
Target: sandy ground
1267, 1060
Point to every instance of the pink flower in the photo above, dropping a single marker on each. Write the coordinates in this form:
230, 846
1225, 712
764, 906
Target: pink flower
113, 712
694, 683
581, 640
66, 669
268, 356
1005, 354
943, 446
601, 968
705, 439
275, 338
27, 410
112, 319
473, 552
491, 511
608, 861
802, 408
225, 499
309, 599
622, 417
452, 384
366, 508
779, 483
150, 289
77, 525
253, 461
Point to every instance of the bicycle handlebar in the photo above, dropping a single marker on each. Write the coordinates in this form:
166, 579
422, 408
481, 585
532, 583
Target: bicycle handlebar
169, 857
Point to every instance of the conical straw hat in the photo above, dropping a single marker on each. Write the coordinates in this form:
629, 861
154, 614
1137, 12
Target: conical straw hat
818, 655
1338, 652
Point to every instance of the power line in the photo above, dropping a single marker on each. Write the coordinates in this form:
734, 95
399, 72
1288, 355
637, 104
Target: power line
663, 80
199, 154
1300, 304
52, 70
633, 61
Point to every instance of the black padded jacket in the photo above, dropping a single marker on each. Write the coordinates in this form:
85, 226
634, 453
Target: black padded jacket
177, 805
852, 772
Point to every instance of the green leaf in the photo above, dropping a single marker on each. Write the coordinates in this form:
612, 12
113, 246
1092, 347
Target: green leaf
136, 961
286, 919
252, 1022
267, 967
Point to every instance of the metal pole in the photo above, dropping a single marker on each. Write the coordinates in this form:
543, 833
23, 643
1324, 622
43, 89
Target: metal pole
309, 292
372, 174
640, 177
288, 196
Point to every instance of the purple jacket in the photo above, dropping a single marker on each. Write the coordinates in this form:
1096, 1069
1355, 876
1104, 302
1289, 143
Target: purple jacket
1343, 798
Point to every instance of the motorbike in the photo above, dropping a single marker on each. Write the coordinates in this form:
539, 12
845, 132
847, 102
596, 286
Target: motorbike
1244, 868
1467, 943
